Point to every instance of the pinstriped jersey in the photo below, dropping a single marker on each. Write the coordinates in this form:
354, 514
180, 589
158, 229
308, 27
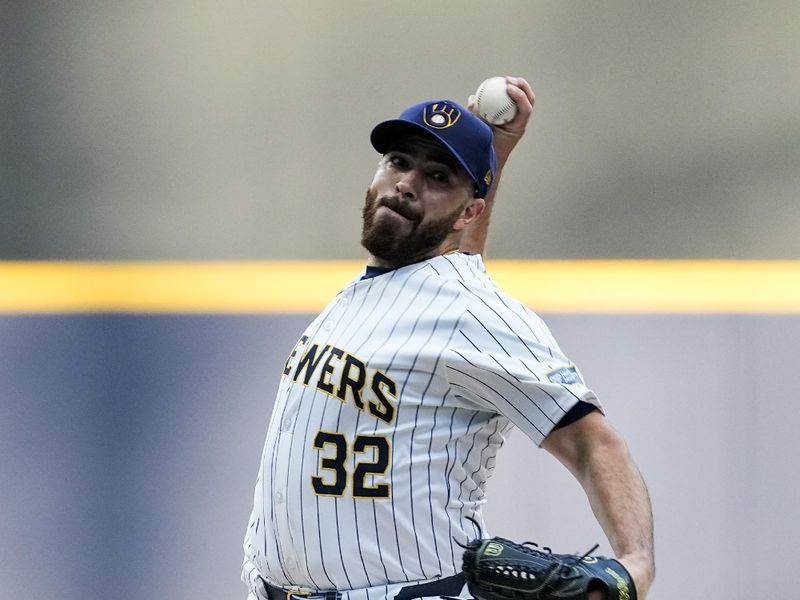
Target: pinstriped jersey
388, 418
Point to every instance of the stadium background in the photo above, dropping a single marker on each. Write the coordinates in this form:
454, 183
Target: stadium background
161, 161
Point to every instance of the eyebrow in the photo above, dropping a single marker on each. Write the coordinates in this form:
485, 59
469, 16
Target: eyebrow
430, 149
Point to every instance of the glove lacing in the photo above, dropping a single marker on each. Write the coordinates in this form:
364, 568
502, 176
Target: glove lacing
564, 568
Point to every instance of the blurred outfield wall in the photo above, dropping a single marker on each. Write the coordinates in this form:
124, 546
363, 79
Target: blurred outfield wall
132, 418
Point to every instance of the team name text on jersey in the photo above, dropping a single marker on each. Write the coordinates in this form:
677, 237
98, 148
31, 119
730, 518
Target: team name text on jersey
336, 372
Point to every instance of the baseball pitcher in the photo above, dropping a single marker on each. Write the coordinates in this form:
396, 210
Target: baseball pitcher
396, 399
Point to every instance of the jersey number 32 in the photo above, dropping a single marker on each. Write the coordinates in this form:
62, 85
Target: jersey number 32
371, 458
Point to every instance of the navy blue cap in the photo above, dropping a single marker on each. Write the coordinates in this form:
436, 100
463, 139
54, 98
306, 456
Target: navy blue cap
466, 136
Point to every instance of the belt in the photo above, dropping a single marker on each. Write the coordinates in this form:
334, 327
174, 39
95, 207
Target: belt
449, 586
278, 593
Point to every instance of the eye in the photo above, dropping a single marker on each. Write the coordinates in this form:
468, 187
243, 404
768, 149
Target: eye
439, 176
397, 160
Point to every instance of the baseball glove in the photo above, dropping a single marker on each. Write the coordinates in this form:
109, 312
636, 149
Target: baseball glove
499, 569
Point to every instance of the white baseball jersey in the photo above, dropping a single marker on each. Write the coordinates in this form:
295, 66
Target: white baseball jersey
391, 409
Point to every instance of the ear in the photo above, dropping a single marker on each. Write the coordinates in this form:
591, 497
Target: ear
471, 213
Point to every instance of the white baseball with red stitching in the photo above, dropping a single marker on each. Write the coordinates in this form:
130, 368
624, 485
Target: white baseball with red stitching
493, 102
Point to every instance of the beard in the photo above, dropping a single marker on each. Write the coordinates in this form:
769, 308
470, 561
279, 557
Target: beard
382, 239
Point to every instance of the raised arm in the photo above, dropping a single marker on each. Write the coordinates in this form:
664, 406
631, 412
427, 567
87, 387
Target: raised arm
506, 138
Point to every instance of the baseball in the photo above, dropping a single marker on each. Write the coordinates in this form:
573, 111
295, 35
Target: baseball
493, 102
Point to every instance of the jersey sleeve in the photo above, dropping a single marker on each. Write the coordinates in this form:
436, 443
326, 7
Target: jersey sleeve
503, 358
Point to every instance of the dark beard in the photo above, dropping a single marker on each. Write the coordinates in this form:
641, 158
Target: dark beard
381, 240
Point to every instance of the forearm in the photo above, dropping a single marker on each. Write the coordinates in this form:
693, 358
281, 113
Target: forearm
599, 459
506, 138
620, 501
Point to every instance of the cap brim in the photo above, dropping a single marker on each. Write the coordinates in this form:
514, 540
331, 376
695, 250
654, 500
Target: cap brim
384, 135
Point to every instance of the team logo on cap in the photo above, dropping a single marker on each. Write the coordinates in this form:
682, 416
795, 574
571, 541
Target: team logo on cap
440, 115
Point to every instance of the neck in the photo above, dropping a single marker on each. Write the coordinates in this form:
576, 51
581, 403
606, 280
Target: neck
447, 247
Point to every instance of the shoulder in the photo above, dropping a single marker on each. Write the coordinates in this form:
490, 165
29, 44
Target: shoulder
489, 309
465, 271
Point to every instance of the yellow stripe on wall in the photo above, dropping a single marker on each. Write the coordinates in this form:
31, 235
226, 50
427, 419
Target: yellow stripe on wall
305, 287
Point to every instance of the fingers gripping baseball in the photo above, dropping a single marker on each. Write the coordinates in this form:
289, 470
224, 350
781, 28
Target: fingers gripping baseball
507, 134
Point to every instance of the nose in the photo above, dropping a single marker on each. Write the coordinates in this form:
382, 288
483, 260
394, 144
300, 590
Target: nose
406, 186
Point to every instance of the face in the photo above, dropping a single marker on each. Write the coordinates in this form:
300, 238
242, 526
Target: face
417, 204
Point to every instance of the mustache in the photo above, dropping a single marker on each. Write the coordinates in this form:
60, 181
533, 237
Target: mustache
403, 208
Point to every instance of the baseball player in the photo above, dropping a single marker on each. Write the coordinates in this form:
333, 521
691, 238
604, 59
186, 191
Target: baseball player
395, 400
